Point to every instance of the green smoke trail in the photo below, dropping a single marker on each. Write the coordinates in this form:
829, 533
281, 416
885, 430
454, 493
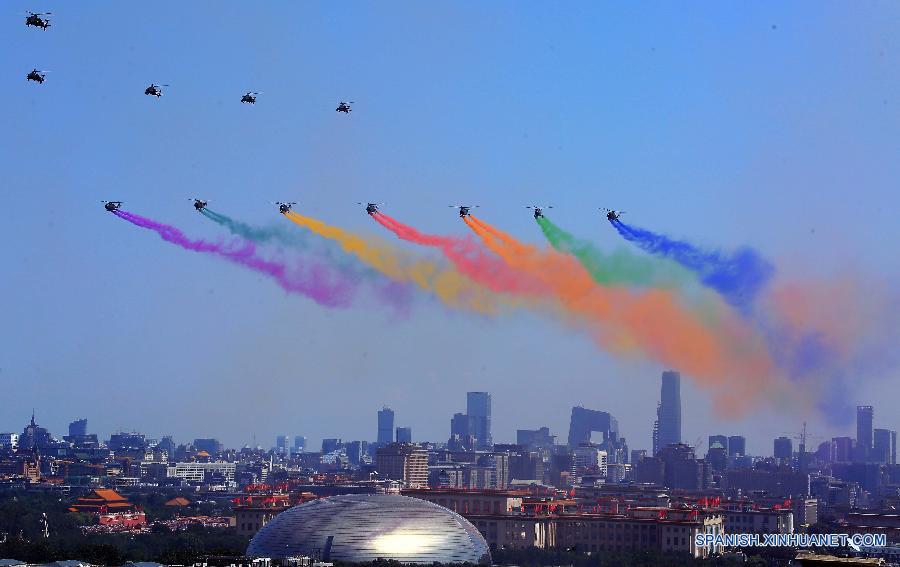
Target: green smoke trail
258, 233
616, 268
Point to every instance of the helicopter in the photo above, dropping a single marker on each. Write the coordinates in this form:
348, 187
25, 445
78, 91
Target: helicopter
611, 215
250, 97
199, 204
284, 208
538, 211
344, 107
154, 90
464, 209
112, 205
36, 76
372, 208
35, 19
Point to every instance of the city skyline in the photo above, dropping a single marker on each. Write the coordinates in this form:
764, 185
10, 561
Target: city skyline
738, 128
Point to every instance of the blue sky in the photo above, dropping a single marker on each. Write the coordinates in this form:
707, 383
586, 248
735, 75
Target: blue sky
769, 124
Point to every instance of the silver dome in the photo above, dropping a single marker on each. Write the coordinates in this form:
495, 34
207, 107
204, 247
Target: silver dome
365, 527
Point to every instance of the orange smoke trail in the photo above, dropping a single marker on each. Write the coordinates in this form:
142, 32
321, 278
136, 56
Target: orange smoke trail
451, 287
727, 359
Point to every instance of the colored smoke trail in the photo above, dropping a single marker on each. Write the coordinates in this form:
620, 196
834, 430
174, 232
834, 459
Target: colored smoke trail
727, 358
453, 289
615, 268
469, 258
256, 233
738, 277
315, 281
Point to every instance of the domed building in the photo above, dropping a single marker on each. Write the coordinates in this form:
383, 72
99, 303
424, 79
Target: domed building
365, 527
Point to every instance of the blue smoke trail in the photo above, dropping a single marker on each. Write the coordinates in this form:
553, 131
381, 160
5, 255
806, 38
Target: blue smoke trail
738, 277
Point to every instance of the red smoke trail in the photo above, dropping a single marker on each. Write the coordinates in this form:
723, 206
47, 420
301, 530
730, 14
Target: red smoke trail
470, 259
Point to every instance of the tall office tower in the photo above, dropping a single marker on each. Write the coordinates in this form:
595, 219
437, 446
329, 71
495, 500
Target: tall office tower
844, 448
404, 435
737, 446
884, 446
720, 440
669, 412
281, 444
864, 415
386, 425
78, 428
299, 443
478, 407
784, 448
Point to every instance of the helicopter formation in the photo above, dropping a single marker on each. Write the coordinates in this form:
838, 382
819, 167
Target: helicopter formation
373, 208
40, 20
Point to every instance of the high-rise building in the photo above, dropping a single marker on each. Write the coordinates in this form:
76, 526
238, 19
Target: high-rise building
281, 444
535, 438
404, 462
784, 448
385, 425
78, 428
737, 446
669, 411
9, 440
844, 449
478, 407
331, 445
718, 440
884, 446
584, 422
299, 443
404, 435
210, 445
864, 418
355, 451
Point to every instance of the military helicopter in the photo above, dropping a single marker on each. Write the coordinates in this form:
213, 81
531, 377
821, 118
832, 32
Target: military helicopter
464, 209
283, 208
250, 97
35, 19
112, 205
372, 208
199, 204
538, 211
344, 107
154, 90
611, 215
36, 76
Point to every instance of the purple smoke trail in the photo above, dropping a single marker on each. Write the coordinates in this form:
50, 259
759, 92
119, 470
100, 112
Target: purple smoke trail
317, 281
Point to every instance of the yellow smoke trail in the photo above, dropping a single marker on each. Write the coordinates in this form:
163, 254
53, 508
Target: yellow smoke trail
451, 287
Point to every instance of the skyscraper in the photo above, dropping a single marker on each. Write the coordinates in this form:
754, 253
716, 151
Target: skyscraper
299, 443
478, 407
78, 428
281, 444
385, 426
784, 448
864, 415
737, 446
884, 446
404, 435
669, 411
720, 440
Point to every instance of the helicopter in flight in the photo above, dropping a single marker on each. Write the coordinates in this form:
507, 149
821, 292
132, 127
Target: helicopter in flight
284, 208
372, 208
35, 19
611, 215
36, 76
538, 210
464, 209
250, 97
112, 205
199, 204
344, 107
154, 90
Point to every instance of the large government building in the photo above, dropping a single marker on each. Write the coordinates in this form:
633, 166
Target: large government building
365, 527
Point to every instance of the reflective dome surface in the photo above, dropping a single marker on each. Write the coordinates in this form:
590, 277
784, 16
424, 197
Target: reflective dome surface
365, 527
